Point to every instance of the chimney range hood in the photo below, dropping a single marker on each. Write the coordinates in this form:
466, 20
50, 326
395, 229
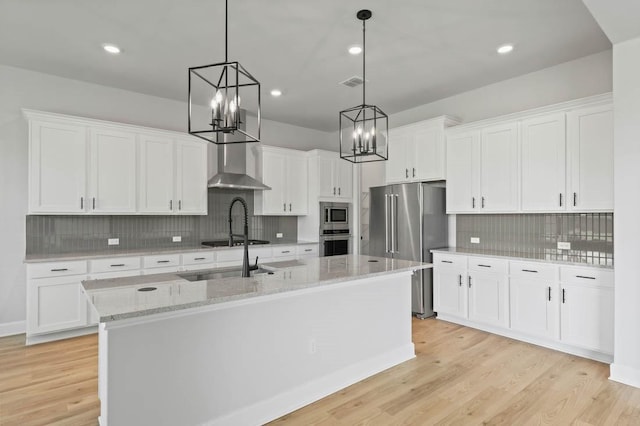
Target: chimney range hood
232, 169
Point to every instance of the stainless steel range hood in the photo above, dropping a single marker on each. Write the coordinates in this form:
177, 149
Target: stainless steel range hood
232, 169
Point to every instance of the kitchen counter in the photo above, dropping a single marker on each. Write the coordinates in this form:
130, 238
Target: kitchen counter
112, 253
515, 256
115, 299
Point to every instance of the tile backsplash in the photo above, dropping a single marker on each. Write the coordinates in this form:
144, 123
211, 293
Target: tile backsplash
537, 235
67, 234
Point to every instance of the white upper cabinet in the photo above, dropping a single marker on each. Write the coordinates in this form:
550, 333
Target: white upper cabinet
112, 187
417, 151
463, 153
499, 168
286, 172
191, 182
335, 176
85, 166
157, 165
590, 147
58, 156
544, 163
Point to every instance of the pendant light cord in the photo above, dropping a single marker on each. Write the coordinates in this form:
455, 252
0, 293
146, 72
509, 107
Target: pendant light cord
364, 55
226, 30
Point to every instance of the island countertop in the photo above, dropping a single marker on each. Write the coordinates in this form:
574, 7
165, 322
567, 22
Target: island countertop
130, 297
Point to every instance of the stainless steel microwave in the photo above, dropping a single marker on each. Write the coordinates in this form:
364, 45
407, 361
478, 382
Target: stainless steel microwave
335, 213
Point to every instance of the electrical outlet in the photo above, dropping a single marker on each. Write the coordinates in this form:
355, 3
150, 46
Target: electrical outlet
113, 241
563, 245
177, 239
279, 235
313, 346
475, 240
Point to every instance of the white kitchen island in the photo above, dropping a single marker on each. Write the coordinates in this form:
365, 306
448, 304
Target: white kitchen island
244, 351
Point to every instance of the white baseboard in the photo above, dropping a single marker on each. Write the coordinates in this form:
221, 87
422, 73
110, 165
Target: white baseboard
12, 328
623, 374
67, 334
291, 400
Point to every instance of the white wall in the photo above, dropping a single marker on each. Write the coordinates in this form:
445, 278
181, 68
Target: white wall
626, 98
26, 89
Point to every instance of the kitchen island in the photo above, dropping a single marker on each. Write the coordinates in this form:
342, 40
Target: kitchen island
190, 351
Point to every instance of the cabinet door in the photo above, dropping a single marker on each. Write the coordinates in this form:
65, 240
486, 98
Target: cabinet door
397, 169
273, 175
590, 143
586, 317
58, 171
191, 182
499, 169
428, 153
326, 175
113, 171
157, 174
55, 304
296, 185
462, 173
449, 291
344, 178
543, 163
488, 298
532, 306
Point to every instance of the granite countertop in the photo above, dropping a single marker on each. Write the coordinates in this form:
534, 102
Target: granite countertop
39, 258
515, 256
120, 298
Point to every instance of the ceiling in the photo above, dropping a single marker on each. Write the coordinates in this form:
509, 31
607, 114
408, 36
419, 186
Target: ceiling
418, 51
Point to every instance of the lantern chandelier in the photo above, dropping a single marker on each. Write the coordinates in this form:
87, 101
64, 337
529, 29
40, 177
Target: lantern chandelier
364, 128
224, 88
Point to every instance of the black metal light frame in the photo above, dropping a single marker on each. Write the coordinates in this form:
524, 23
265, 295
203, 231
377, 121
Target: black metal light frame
231, 77
353, 147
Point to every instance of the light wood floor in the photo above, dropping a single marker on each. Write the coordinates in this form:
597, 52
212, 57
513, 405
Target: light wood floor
460, 376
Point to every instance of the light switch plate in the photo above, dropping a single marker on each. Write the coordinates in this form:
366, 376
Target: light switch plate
279, 235
563, 245
475, 240
177, 239
113, 241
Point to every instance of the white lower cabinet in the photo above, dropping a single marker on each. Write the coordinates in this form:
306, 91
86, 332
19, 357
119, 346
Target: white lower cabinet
564, 307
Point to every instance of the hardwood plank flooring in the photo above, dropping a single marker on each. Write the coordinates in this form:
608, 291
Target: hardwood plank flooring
460, 376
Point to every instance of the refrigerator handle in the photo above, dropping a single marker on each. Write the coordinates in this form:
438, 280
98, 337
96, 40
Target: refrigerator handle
395, 223
391, 218
386, 223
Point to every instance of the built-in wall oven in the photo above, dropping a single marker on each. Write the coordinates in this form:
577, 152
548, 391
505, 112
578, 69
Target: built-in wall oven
335, 234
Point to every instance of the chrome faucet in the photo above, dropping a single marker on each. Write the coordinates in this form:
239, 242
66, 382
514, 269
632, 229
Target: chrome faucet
246, 269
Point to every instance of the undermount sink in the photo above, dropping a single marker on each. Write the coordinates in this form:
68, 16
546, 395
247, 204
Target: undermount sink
214, 274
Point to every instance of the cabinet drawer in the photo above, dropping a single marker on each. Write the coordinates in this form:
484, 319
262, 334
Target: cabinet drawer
161, 261
198, 258
445, 260
586, 276
533, 270
263, 254
57, 269
114, 264
485, 264
309, 250
230, 255
284, 251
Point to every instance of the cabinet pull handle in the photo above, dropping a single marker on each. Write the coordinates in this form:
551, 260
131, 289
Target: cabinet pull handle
469, 281
286, 251
308, 249
406, 173
284, 206
484, 266
117, 265
414, 172
334, 190
561, 199
529, 270
81, 203
585, 277
483, 202
289, 206
446, 261
563, 296
575, 198
473, 202
199, 258
339, 191
549, 296
460, 280
94, 203
59, 270
179, 204
170, 204
163, 261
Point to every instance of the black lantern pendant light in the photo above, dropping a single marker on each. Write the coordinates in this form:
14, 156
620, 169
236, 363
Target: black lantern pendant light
364, 128
232, 98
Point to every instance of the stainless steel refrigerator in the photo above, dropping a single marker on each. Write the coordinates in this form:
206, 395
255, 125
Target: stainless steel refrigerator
406, 221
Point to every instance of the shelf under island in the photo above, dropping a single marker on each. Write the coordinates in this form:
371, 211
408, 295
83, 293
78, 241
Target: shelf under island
194, 349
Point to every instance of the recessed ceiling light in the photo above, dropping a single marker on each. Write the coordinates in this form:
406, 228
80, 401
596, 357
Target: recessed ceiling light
111, 48
355, 50
505, 49
275, 93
